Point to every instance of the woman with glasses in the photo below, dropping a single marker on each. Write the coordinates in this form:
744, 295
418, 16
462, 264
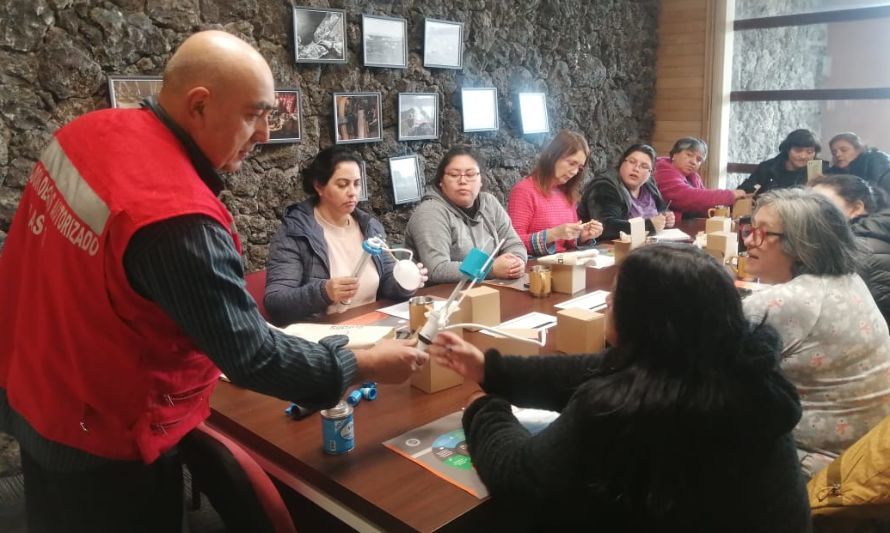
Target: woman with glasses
680, 184
851, 156
836, 344
313, 255
454, 217
543, 205
788, 168
684, 424
869, 218
627, 192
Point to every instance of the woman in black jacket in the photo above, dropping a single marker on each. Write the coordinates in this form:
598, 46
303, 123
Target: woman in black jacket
613, 197
865, 208
683, 425
851, 156
789, 168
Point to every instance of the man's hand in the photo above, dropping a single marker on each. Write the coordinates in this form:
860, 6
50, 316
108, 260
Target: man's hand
390, 361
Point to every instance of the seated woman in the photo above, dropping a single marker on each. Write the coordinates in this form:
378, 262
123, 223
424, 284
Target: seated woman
789, 168
836, 344
684, 424
542, 206
869, 219
455, 217
680, 184
625, 193
319, 244
851, 156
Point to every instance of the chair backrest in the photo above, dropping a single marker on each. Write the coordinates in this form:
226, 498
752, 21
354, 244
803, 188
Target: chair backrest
256, 286
236, 485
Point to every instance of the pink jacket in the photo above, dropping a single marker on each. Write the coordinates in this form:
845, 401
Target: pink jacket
687, 194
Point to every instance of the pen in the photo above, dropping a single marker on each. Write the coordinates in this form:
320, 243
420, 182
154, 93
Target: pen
666, 207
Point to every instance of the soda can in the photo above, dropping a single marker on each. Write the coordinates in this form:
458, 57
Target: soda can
337, 429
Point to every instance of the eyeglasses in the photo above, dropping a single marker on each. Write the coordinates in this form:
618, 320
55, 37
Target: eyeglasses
638, 164
757, 234
470, 174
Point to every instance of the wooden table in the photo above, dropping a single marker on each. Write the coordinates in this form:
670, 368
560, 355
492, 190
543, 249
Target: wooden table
372, 487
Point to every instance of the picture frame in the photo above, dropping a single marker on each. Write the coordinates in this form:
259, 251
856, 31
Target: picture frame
533, 116
357, 117
443, 44
407, 179
479, 108
286, 118
418, 116
363, 196
384, 41
319, 35
127, 92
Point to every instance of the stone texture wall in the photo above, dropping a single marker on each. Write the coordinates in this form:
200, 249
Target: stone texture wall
774, 59
595, 61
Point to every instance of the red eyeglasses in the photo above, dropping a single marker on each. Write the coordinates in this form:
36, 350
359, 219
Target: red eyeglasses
757, 234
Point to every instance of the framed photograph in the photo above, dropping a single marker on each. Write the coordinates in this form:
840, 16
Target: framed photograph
443, 44
407, 180
480, 108
285, 120
533, 113
418, 116
363, 195
357, 118
319, 35
385, 41
127, 92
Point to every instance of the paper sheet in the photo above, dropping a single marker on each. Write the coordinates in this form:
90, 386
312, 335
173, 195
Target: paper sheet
592, 301
672, 234
400, 310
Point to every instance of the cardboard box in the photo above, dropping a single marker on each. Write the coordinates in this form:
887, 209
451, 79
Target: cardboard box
580, 331
620, 249
481, 305
433, 378
715, 224
568, 279
726, 243
743, 207
508, 346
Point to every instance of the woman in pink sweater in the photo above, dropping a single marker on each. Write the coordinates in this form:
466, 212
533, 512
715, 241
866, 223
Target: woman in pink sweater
542, 206
680, 184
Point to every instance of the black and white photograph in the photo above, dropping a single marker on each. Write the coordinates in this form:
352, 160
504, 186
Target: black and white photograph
319, 35
127, 92
363, 192
385, 41
443, 44
407, 181
357, 117
480, 108
285, 119
533, 113
418, 116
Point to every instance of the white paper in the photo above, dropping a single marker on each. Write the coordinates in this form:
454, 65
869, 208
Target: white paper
672, 234
359, 336
602, 261
533, 320
593, 301
534, 420
400, 310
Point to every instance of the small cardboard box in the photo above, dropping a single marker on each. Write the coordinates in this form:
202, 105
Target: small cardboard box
432, 378
726, 243
580, 331
508, 346
715, 224
620, 249
568, 279
481, 305
743, 207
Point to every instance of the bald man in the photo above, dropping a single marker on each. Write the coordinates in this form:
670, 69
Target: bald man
122, 297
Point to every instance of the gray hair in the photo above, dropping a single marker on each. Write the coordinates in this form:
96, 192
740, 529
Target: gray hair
690, 143
816, 233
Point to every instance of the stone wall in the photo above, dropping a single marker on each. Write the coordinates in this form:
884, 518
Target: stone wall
595, 61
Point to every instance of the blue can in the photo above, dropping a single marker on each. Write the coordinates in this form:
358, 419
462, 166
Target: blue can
337, 429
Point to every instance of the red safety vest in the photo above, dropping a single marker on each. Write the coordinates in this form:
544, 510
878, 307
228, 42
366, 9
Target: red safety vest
83, 358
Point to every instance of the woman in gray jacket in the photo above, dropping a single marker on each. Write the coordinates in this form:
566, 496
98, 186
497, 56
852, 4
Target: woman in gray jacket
455, 217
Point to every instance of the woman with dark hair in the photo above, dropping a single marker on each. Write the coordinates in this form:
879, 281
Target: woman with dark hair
313, 254
625, 193
836, 343
789, 168
680, 184
454, 217
542, 206
684, 424
851, 156
869, 219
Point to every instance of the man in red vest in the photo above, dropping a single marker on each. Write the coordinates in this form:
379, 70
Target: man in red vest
122, 297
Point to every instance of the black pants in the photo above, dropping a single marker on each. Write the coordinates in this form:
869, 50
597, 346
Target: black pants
124, 496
